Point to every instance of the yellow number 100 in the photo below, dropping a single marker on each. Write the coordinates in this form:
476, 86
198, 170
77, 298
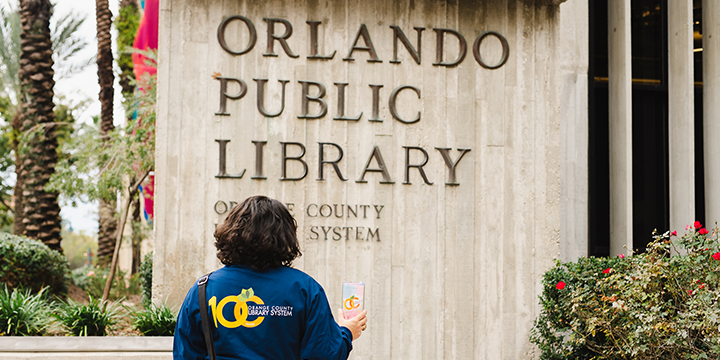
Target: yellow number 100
240, 311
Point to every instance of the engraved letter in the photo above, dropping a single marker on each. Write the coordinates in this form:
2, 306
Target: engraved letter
375, 103
259, 159
271, 37
313, 229
341, 104
372, 235
326, 231
445, 152
334, 163
505, 50
285, 158
222, 174
307, 98
336, 231
261, 97
224, 95
393, 100
359, 232
399, 34
329, 210
439, 51
378, 209
363, 32
314, 42
308, 210
419, 167
221, 207
221, 34
381, 167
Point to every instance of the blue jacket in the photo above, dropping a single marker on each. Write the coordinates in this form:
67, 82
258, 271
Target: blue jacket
280, 313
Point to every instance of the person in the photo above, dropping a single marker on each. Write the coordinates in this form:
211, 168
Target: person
258, 306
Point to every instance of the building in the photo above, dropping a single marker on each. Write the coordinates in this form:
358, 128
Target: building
651, 120
444, 152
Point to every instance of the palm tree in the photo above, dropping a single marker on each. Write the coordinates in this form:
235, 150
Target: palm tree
37, 147
107, 225
9, 80
65, 43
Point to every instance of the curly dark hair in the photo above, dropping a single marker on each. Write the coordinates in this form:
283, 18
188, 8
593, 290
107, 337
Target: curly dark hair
259, 232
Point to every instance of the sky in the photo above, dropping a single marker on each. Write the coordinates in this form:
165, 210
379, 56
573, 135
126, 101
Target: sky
84, 85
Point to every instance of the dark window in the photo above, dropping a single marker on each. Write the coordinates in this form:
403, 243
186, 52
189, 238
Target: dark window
650, 123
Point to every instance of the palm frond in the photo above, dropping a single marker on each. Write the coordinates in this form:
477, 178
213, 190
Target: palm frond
9, 52
67, 43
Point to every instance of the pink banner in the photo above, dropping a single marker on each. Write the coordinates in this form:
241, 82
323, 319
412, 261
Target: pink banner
147, 39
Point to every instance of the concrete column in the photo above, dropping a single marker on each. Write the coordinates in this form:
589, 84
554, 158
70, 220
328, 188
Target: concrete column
681, 119
711, 108
573, 75
620, 123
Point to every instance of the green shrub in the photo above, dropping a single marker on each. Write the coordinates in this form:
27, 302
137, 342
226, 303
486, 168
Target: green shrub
93, 319
646, 306
82, 276
145, 270
154, 320
31, 264
23, 313
92, 279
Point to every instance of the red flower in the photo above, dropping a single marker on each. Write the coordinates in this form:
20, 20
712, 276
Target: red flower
702, 286
674, 233
622, 256
698, 225
703, 231
560, 285
690, 292
716, 256
606, 271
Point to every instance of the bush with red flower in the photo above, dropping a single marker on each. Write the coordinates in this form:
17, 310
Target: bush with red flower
660, 304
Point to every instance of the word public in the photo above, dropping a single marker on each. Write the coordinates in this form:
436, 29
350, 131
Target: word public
362, 44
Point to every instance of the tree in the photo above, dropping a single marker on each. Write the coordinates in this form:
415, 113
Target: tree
106, 208
127, 24
10, 110
37, 146
66, 44
98, 172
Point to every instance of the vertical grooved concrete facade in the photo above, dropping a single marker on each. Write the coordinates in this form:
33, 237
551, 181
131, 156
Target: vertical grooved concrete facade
452, 267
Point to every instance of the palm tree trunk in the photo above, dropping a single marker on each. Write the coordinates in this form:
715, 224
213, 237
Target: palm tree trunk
38, 143
107, 225
136, 234
18, 228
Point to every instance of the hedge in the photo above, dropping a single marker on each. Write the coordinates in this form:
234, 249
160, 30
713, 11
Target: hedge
30, 264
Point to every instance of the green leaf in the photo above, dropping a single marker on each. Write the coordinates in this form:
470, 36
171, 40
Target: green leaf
246, 294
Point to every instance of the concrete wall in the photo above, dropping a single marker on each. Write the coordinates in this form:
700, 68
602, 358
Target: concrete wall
452, 271
92, 347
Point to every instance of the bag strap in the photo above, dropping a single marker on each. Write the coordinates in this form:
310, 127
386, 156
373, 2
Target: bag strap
207, 333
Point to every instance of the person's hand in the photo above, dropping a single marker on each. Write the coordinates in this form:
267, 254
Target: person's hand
357, 325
